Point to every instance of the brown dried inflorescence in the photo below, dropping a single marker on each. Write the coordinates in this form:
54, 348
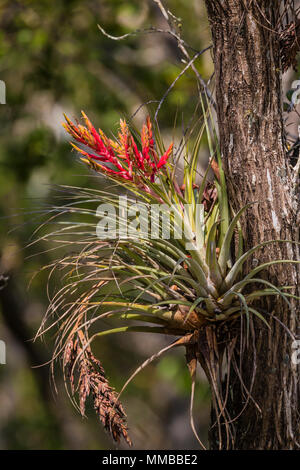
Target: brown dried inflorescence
87, 377
209, 196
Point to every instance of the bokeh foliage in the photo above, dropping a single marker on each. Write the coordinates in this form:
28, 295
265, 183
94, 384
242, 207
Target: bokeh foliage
53, 59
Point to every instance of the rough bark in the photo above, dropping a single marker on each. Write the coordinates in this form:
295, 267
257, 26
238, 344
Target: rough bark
249, 111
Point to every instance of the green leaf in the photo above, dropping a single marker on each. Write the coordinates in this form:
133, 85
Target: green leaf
140, 329
231, 276
226, 245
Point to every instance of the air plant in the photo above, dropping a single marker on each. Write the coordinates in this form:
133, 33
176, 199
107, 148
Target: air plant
195, 287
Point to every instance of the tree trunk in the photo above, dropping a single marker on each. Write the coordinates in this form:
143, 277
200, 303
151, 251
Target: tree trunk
249, 110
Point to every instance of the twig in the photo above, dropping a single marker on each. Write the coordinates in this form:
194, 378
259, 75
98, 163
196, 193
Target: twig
191, 62
149, 30
162, 9
172, 22
182, 45
141, 106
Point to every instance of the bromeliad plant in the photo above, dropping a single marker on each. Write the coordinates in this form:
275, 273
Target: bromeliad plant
195, 286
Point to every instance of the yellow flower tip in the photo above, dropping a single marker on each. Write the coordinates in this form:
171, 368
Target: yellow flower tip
84, 116
123, 126
67, 119
87, 121
78, 149
148, 122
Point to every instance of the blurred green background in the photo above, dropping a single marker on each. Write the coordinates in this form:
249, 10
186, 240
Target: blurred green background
53, 59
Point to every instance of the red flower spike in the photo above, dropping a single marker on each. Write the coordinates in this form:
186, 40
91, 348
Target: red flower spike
125, 160
163, 160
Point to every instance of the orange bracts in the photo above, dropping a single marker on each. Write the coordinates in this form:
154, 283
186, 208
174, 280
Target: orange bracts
120, 158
